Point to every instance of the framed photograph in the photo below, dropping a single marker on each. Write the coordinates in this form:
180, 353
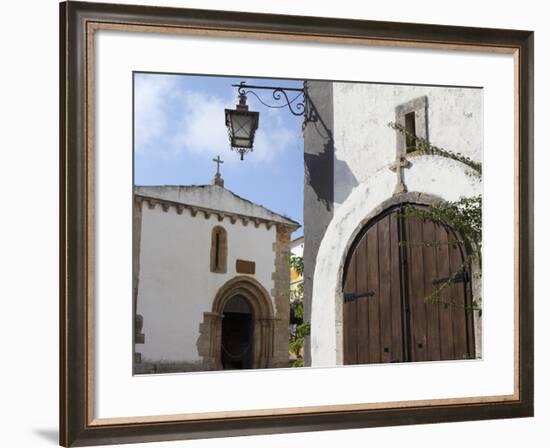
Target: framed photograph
277, 223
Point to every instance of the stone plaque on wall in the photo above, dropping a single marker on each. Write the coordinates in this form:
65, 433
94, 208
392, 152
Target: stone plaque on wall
246, 267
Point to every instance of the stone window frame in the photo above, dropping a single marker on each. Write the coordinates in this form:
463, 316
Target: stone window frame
218, 250
420, 108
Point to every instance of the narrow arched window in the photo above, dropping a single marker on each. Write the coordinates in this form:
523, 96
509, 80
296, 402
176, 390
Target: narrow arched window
218, 250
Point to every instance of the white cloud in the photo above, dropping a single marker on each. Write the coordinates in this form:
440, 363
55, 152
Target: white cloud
153, 95
203, 124
171, 120
203, 129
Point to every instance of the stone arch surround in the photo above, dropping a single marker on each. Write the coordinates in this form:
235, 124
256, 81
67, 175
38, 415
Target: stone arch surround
209, 341
430, 179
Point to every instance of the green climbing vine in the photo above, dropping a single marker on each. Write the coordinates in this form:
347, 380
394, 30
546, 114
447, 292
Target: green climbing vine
462, 215
424, 147
299, 329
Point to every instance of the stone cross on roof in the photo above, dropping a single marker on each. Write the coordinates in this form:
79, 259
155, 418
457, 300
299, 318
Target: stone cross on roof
218, 177
400, 163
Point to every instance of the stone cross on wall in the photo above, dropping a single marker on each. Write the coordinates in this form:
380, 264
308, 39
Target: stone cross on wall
218, 177
400, 163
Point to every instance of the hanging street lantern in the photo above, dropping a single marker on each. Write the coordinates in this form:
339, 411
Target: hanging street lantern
241, 126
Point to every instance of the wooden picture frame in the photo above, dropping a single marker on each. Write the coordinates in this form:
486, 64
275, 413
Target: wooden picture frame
78, 22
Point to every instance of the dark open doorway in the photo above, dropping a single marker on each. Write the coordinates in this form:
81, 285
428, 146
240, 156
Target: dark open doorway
237, 334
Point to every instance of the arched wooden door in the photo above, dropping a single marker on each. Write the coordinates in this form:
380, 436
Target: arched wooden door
388, 273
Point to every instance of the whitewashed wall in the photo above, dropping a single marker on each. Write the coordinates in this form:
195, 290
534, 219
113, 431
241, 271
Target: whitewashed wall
363, 143
364, 148
176, 286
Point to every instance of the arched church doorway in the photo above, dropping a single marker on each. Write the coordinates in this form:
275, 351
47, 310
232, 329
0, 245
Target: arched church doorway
394, 264
237, 334
239, 331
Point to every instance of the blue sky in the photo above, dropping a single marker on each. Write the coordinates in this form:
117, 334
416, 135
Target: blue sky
179, 127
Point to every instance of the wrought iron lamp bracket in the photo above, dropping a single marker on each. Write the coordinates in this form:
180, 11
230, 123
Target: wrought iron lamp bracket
299, 105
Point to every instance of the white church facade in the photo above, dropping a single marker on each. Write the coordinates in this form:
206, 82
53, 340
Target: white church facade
211, 280
364, 291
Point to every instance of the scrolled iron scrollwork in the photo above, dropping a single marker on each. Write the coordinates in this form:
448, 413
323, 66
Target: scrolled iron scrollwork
297, 108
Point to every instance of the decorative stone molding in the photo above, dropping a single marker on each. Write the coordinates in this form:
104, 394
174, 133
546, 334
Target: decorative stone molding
207, 213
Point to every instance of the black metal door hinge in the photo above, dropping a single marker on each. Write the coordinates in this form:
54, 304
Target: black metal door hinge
461, 277
351, 296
